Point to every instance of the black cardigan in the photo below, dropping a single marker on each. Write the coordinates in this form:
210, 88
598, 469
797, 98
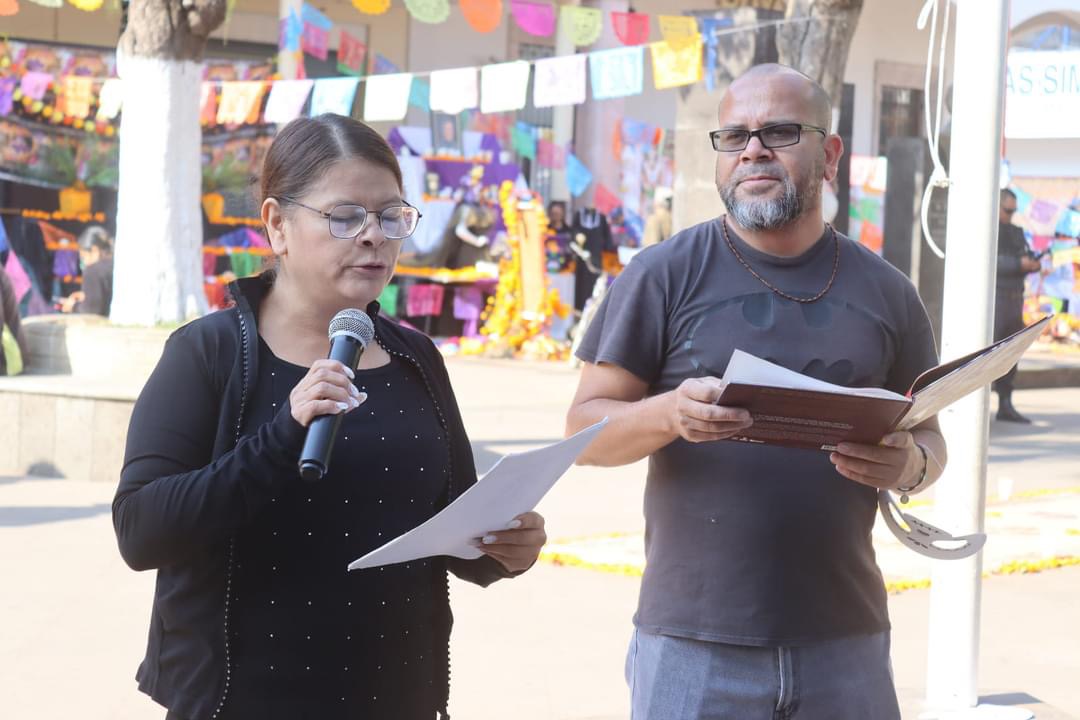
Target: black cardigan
190, 483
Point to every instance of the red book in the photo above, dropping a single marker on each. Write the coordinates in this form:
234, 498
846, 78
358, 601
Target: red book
798, 411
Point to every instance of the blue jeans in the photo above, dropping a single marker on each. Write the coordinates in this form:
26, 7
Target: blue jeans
674, 678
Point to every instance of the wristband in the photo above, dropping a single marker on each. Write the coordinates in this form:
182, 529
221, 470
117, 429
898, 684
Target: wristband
904, 491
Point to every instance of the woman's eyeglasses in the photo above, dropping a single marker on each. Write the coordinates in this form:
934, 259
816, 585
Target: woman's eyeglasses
348, 221
771, 136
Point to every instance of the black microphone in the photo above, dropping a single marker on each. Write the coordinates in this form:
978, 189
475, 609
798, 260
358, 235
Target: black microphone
350, 332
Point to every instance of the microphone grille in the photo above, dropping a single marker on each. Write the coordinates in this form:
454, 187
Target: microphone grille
355, 323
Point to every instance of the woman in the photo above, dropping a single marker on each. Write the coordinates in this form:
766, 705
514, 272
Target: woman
254, 613
95, 253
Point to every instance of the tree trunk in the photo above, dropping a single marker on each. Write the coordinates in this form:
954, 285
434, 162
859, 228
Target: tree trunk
818, 48
158, 275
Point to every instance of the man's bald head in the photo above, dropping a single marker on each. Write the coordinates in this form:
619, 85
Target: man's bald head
787, 80
776, 178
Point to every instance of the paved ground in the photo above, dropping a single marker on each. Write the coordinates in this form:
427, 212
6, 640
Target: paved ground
549, 645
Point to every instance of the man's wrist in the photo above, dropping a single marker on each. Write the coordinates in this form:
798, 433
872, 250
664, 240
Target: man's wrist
921, 480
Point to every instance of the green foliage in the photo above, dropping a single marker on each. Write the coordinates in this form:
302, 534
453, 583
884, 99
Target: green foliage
228, 174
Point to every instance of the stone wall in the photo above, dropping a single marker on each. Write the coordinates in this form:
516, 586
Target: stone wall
67, 416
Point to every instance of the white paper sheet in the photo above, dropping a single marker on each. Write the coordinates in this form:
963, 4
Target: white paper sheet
514, 485
744, 368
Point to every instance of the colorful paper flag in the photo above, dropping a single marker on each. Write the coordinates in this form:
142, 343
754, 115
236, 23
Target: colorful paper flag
311, 16
631, 28
34, 84
676, 64
1042, 211
550, 155
482, 15
382, 65
578, 176
559, 81
333, 95
429, 11
535, 18
239, 102
523, 140
617, 72
372, 7
7, 88
208, 104
351, 54
9, 8
1023, 199
315, 41
503, 86
20, 281
1069, 224
386, 97
581, 24
78, 94
454, 90
604, 200
287, 98
49, 3
709, 28
420, 94
677, 28
87, 5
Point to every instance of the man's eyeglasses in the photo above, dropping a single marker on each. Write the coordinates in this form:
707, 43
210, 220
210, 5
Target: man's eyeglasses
348, 221
1008, 210
771, 136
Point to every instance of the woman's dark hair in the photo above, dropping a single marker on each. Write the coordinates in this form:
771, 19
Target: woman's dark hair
305, 148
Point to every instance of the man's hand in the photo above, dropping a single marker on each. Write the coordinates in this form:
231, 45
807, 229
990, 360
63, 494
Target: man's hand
68, 304
1030, 264
696, 417
896, 462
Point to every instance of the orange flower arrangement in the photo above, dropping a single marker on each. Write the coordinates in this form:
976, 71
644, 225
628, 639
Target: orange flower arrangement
508, 330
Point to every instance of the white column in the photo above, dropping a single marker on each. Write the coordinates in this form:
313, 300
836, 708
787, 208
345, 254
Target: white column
970, 266
287, 61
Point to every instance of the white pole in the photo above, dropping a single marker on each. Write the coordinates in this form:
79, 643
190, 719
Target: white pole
970, 266
288, 61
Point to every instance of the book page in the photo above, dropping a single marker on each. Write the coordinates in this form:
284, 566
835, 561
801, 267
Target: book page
982, 368
747, 369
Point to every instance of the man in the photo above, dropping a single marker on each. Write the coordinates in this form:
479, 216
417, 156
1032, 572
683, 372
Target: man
95, 252
761, 597
1014, 262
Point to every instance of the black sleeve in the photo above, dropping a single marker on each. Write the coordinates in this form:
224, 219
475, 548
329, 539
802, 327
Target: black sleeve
485, 570
96, 291
917, 351
174, 500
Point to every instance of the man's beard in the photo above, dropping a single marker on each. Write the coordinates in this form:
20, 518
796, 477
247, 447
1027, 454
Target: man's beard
763, 214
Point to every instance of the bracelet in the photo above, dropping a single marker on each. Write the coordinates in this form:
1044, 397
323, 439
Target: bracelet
904, 491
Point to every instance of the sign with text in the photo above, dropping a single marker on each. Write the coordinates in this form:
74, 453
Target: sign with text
1042, 94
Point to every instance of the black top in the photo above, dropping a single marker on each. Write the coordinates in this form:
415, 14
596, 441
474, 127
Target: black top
97, 286
191, 485
759, 544
312, 637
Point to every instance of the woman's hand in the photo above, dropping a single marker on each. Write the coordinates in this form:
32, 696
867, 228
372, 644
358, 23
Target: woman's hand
327, 389
517, 547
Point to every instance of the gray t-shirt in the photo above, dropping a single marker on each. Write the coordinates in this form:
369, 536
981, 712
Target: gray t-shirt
749, 544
